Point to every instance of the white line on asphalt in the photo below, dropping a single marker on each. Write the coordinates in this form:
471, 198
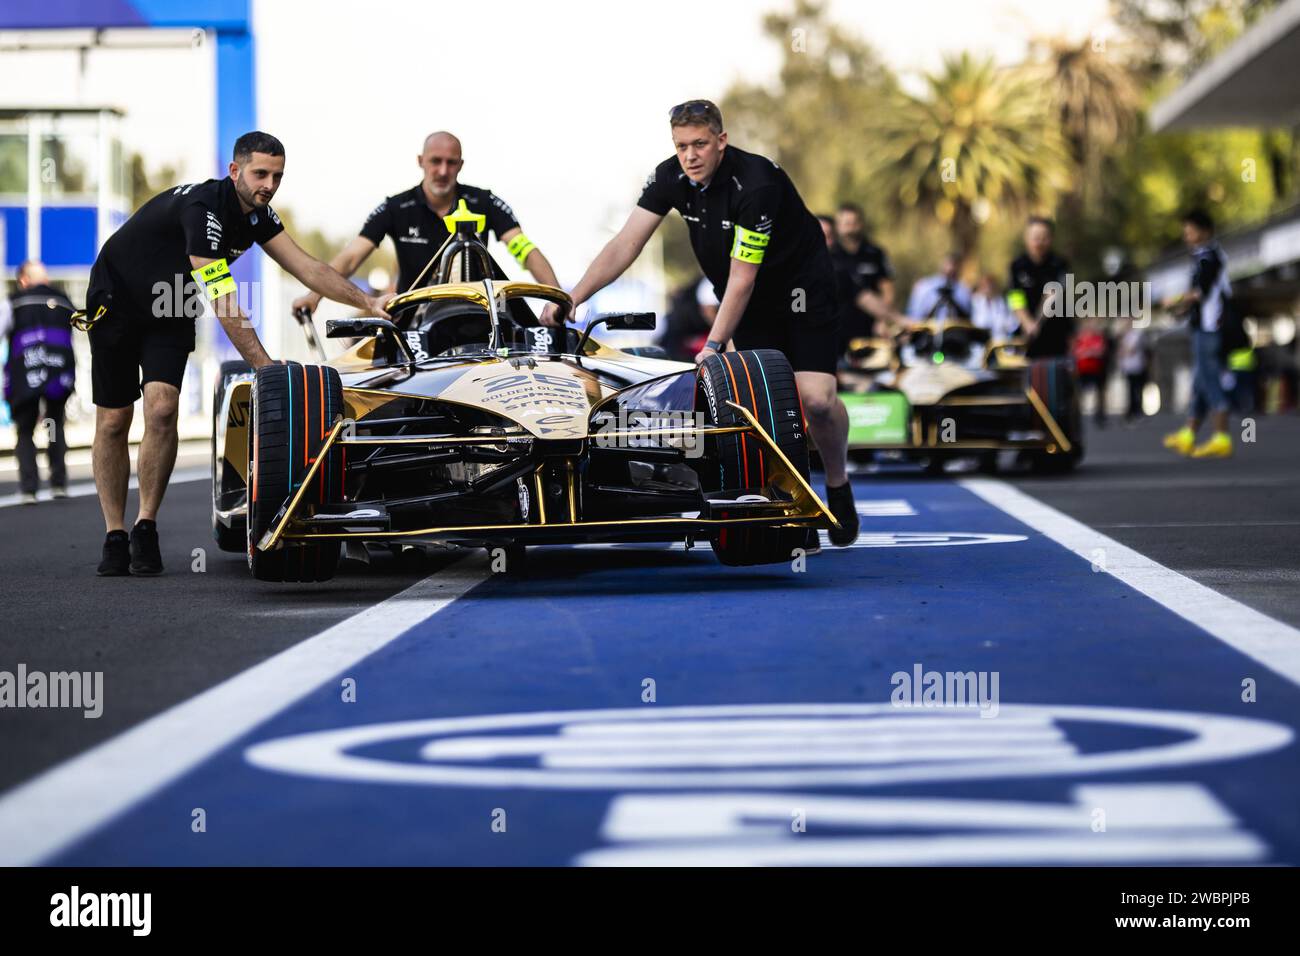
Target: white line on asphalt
1258, 636
83, 489
50, 812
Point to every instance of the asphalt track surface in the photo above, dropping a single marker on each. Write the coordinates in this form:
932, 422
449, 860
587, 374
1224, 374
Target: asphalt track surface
479, 718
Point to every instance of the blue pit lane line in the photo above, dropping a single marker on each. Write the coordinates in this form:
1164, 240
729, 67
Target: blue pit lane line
590, 625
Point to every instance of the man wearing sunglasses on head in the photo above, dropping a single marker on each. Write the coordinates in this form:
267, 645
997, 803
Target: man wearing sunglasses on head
765, 255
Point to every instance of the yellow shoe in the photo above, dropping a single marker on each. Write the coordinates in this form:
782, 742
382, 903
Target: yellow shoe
1181, 441
1219, 446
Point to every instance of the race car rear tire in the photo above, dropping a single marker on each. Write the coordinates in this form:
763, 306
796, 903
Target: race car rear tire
763, 383
293, 410
233, 538
1055, 383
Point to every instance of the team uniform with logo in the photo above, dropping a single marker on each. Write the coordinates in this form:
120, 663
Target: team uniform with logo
855, 273
145, 294
751, 211
1025, 290
418, 232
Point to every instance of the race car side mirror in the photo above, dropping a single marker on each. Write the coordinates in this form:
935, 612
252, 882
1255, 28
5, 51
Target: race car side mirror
630, 321
361, 327
627, 321
354, 328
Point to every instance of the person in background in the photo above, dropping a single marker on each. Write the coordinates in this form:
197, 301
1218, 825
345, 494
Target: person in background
942, 295
1133, 356
1091, 351
864, 279
1206, 304
989, 310
39, 375
828, 229
691, 311
1044, 324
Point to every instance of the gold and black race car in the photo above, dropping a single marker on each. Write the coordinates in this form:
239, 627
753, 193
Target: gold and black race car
944, 389
465, 422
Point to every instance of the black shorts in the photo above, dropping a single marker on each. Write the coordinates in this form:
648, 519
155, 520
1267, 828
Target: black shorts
809, 338
125, 354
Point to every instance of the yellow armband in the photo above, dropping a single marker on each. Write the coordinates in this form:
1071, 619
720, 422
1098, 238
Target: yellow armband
519, 247
215, 278
749, 246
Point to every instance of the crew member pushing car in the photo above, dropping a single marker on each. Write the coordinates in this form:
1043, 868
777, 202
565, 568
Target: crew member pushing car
414, 221
765, 255
168, 264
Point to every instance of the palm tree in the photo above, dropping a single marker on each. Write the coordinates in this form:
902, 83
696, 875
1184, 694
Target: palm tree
1096, 101
982, 138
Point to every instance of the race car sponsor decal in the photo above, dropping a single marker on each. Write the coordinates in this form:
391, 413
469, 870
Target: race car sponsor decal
552, 400
523, 499
416, 341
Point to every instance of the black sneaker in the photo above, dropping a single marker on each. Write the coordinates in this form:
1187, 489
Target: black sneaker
116, 562
840, 501
145, 557
812, 542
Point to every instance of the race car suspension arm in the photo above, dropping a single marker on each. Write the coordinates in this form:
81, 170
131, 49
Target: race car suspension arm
1048, 419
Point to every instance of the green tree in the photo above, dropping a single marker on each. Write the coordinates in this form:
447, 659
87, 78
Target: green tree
811, 120
981, 141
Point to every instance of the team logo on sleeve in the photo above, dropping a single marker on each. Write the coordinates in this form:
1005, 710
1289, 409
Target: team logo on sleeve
502, 205
274, 218
213, 231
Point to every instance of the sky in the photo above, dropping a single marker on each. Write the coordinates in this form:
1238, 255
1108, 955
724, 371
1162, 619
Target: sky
561, 105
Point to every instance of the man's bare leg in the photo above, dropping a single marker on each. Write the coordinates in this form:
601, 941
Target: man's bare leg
828, 421
111, 461
158, 449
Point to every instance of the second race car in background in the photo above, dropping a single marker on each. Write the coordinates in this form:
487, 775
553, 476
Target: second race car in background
943, 389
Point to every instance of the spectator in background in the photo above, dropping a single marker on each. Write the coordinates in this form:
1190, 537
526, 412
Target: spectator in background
39, 374
1207, 305
864, 279
1048, 329
1133, 356
1091, 351
691, 311
942, 295
989, 310
828, 229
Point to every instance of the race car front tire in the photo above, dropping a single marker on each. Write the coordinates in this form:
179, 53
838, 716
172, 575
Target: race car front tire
231, 538
762, 382
293, 410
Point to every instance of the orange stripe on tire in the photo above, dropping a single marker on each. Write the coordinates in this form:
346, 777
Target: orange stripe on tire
753, 406
735, 390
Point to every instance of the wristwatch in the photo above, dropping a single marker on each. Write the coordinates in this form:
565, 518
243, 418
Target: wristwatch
715, 346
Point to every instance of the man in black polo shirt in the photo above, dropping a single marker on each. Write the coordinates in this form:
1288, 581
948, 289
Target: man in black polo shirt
1031, 271
166, 266
864, 277
766, 257
414, 221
